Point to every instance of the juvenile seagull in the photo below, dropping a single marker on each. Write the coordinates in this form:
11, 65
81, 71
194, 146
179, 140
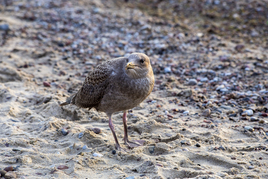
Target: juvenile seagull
116, 85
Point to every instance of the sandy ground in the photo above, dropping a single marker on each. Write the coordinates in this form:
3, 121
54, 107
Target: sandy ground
206, 117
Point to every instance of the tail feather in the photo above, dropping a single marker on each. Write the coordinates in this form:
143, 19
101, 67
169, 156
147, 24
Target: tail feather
68, 100
64, 103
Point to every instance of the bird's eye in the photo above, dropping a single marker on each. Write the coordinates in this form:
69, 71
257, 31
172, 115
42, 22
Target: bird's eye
141, 60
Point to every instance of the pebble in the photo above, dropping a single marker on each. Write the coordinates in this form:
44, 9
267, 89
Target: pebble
220, 87
263, 114
226, 107
167, 70
46, 84
96, 10
224, 90
96, 130
192, 82
249, 128
222, 148
114, 152
131, 177
4, 27
239, 48
197, 145
62, 167
97, 155
151, 149
207, 112
9, 168
247, 113
64, 132
84, 147
204, 79
81, 153
199, 34
14, 120
254, 119
185, 112
250, 167
80, 135
47, 99
185, 142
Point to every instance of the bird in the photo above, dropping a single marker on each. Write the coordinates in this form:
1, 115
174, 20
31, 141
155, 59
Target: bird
116, 85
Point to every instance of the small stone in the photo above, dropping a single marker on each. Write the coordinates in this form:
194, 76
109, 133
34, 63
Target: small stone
220, 87
187, 93
204, 79
200, 34
47, 99
14, 120
247, 113
81, 153
46, 84
15, 150
167, 70
250, 167
114, 152
84, 147
224, 90
222, 148
151, 149
62, 167
207, 113
132, 177
9, 168
96, 10
197, 145
80, 135
254, 119
245, 118
64, 132
185, 142
192, 82
62, 73
97, 155
239, 48
254, 33
264, 114
96, 130
249, 128
4, 27
226, 107
185, 112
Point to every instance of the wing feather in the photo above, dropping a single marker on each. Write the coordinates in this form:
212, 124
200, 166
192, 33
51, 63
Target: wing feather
94, 87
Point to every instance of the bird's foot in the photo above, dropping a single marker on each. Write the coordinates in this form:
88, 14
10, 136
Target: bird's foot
134, 143
119, 148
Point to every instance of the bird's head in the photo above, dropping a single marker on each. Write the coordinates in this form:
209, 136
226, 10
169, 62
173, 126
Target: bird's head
137, 65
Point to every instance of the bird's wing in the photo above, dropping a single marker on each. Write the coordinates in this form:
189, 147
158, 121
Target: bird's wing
94, 87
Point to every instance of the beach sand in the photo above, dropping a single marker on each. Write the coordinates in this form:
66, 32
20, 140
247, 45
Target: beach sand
206, 117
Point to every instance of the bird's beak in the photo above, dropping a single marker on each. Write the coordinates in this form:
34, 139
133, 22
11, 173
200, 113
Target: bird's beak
130, 66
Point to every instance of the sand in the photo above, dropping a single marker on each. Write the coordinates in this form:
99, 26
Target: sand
193, 127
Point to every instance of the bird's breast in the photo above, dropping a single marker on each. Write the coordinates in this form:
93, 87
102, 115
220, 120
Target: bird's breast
126, 94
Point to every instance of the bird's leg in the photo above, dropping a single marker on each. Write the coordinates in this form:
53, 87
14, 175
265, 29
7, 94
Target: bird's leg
111, 125
129, 143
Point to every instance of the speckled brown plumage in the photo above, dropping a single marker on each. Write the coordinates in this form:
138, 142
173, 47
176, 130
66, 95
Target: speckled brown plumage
116, 85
